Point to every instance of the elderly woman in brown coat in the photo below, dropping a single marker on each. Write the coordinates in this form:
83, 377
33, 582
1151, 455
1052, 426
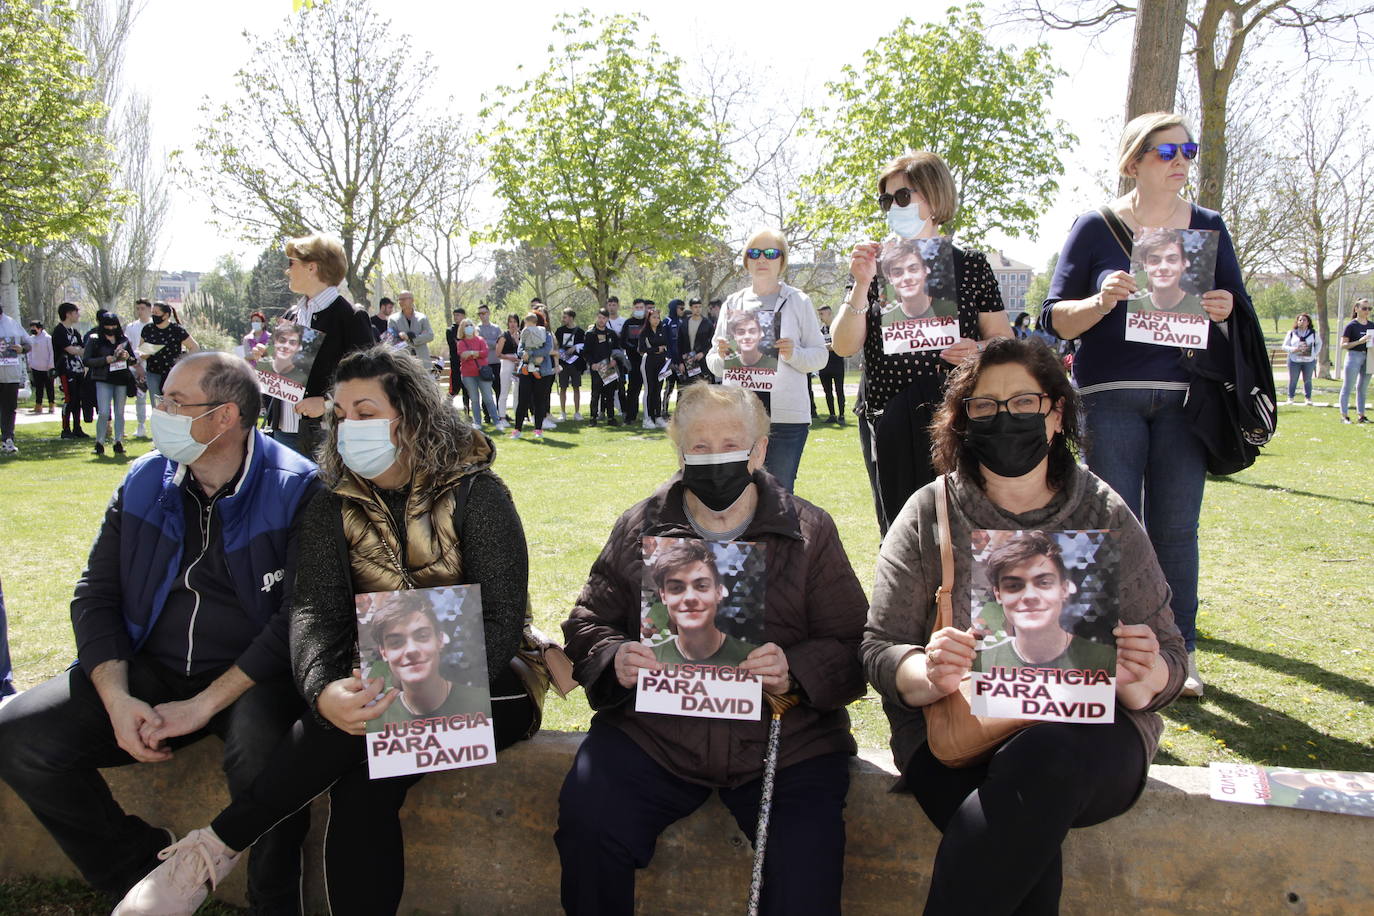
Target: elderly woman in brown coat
638, 772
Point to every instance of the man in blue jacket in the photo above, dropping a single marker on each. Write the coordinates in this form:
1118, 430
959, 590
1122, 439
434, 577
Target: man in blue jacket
181, 631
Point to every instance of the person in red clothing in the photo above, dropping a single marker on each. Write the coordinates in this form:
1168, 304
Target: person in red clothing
471, 351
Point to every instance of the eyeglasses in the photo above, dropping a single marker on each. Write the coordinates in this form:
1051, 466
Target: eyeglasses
981, 410
902, 197
1167, 151
771, 254
173, 408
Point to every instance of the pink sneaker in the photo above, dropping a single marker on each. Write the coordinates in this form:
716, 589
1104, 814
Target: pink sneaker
190, 869
539, 434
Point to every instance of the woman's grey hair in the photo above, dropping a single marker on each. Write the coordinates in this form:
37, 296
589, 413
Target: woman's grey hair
702, 401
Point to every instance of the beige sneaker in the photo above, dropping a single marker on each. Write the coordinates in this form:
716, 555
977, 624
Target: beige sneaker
190, 869
1192, 684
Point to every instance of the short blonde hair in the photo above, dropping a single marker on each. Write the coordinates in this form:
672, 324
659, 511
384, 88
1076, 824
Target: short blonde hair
325, 251
1136, 137
702, 401
767, 238
930, 177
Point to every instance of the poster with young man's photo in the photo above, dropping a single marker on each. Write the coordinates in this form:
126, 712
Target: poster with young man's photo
1044, 604
427, 645
11, 351
608, 371
284, 366
1332, 791
752, 336
1172, 268
701, 613
921, 294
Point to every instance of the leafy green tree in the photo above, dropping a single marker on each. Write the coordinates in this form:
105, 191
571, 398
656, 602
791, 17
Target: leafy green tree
1039, 286
1276, 301
267, 291
327, 134
604, 158
227, 287
50, 186
942, 87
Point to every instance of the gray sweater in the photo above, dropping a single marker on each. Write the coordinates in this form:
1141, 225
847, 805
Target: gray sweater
901, 616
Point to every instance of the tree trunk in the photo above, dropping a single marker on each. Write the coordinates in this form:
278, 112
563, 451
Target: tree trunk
1154, 61
1324, 361
9, 289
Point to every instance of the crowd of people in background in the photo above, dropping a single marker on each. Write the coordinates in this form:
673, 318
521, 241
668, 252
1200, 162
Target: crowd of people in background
998, 431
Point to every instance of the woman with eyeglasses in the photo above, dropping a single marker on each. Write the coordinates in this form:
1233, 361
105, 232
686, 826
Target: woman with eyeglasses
1005, 437
1139, 438
898, 392
800, 349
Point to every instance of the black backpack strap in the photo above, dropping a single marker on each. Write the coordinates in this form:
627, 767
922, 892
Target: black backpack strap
460, 502
1119, 229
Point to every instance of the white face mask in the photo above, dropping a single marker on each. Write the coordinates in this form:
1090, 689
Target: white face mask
639, 313
469, 331
907, 221
366, 447
172, 436
257, 326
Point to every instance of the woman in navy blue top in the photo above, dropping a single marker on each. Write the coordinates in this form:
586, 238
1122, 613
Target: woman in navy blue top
1138, 438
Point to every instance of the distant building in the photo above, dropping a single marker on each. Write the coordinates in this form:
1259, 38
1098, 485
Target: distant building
1014, 279
174, 287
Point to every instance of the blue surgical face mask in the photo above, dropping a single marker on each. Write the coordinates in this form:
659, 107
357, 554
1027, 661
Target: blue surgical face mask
907, 221
172, 436
257, 326
366, 447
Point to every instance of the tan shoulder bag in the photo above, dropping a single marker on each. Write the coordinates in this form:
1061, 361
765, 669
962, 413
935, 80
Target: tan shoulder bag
957, 737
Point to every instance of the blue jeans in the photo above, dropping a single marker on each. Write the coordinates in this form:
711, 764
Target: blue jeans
785, 444
1300, 369
154, 385
1357, 377
1140, 442
473, 384
107, 396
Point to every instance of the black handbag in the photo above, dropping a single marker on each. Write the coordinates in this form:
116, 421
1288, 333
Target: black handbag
486, 373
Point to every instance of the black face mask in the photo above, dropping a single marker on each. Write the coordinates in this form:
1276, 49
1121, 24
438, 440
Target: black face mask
110, 330
719, 479
1009, 445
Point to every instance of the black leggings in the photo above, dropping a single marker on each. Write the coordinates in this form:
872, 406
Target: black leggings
1004, 821
364, 851
531, 398
9, 406
833, 384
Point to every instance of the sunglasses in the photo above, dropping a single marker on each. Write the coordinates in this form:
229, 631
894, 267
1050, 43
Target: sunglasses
901, 196
1167, 151
771, 254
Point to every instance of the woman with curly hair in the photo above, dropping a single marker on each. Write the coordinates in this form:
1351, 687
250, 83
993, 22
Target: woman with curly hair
410, 502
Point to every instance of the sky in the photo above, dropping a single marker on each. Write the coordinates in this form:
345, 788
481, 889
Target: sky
180, 53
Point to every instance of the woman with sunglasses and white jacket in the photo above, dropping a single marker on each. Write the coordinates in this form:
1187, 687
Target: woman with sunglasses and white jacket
1139, 439
899, 392
799, 343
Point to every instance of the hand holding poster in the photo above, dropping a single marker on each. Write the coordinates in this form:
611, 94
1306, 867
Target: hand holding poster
1172, 268
1045, 604
284, 368
11, 349
1286, 787
753, 362
428, 645
701, 614
919, 283
607, 370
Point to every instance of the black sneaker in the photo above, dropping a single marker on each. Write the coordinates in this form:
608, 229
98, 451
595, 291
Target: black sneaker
118, 447
592, 421
100, 448
80, 433
613, 421
67, 434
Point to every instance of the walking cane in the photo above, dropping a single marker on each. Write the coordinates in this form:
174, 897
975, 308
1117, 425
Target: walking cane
779, 705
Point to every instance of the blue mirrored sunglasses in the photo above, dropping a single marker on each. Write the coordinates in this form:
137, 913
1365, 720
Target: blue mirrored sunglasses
771, 254
1167, 151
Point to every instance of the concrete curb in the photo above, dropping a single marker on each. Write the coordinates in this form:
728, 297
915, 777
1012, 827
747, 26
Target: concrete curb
481, 841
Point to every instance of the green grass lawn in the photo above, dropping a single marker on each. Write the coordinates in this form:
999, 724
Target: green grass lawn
1287, 621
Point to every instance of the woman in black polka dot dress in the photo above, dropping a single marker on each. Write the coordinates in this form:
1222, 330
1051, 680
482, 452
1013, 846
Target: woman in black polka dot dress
898, 393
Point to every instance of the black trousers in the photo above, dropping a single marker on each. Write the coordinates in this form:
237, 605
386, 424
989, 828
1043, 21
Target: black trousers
71, 401
897, 448
832, 382
9, 406
364, 850
43, 385
633, 388
616, 801
531, 399
654, 406
1004, 821
55, 737
604, 395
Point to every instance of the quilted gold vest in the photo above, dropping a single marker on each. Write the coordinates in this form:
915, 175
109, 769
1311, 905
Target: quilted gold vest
432, 555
